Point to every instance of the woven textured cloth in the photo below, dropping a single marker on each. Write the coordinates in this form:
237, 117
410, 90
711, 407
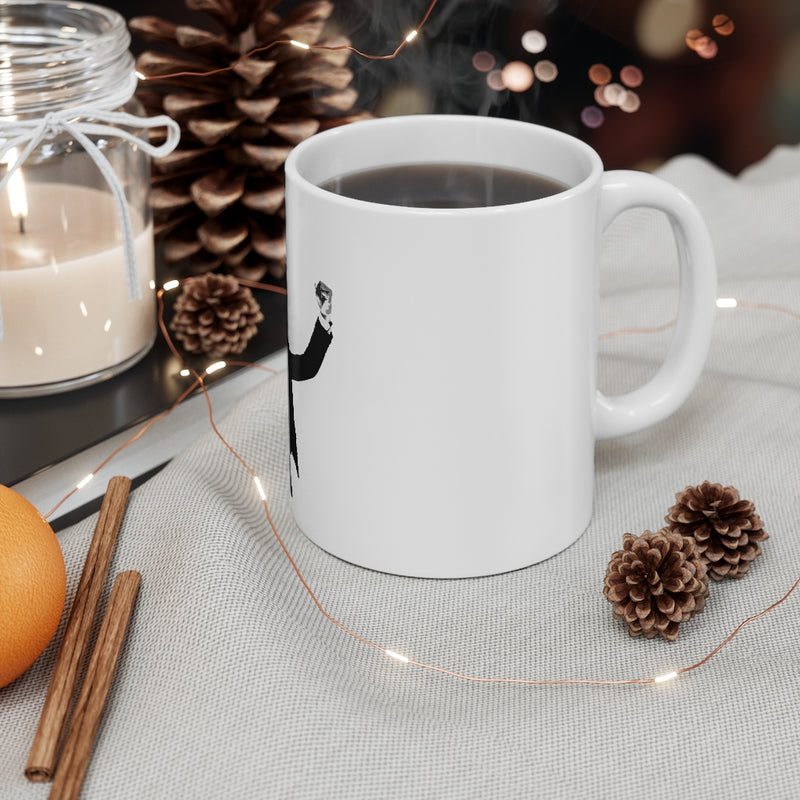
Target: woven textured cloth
233, 684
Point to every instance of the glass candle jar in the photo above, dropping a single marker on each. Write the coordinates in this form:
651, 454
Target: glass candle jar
77, 277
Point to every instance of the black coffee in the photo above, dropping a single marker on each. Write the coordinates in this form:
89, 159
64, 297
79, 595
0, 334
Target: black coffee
443, 186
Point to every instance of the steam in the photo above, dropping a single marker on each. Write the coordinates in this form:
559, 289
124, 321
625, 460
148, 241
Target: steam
434, 74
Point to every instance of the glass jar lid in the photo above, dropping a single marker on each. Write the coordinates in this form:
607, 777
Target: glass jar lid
56, 54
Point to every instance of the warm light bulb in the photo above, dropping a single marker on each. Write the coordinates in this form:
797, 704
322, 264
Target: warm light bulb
217, 365
84, 481
301, 45
169, 285
398, 656
261, 493
411, 36
726, 302
668, 676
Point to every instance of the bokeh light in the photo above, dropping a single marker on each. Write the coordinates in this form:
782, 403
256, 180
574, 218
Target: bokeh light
599, 74
631, 102
517, 76
706, 48
483, 61
631, 76
592, 117
693, 37
614, 94
494, 80
660, 25
723, 24
702, 44
600, 97
534, 41
545, 71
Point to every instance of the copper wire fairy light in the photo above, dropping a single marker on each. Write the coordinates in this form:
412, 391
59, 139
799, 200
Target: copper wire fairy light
630, 331
410, 36
199, 383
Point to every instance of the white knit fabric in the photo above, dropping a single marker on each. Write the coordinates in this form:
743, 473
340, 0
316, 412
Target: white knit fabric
233, 685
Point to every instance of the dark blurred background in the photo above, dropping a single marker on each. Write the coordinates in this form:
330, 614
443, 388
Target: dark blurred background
641, 80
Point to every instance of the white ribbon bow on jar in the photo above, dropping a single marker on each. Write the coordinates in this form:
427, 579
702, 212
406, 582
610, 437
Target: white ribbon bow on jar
27, 135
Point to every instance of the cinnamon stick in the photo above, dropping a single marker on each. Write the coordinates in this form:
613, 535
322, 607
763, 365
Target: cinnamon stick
89, 709
44, 750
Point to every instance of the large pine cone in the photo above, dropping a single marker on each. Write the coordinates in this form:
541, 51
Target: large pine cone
218, 199
215, 315
656, 582
725, 528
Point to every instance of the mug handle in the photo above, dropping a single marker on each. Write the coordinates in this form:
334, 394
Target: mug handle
672, 384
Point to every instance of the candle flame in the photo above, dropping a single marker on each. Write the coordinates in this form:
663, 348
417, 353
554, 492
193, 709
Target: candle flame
17, 196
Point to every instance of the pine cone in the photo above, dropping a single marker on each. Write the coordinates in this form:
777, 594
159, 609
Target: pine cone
656, 582
218, 199
725, 529
215, 315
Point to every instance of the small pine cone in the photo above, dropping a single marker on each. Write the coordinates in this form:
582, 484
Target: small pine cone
656, 582
725, 528
215, 315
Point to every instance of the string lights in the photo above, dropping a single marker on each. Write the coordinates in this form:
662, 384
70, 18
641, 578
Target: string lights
409, 37
199, 383
397, 656
666, 677
84, 481
259, 487
653, 39
215, 367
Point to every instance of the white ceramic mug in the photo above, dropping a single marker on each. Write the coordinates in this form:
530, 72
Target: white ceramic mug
443, 361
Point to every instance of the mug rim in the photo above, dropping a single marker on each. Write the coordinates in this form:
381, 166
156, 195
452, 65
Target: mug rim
294, 163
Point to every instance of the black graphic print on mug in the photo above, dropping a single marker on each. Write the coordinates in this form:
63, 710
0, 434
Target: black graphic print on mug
305, 365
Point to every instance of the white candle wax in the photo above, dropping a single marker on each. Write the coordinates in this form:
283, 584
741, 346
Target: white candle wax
66, 312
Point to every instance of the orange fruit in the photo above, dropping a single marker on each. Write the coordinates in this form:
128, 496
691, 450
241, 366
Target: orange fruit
33, 584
